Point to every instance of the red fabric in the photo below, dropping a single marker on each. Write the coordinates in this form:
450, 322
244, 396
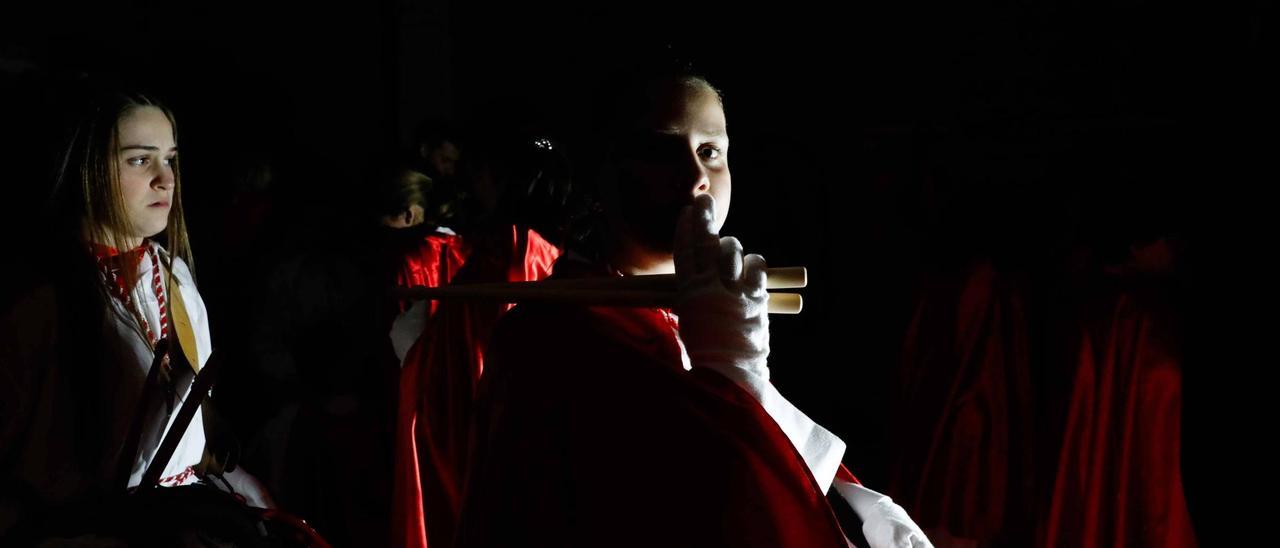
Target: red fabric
590, 433
134, 255
843, 474
962, 416
1118, 480
158, 287
120, 270
437, 386
434, 263
120, 267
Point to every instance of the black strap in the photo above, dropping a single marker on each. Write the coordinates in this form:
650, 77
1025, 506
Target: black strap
199, 389
130, 453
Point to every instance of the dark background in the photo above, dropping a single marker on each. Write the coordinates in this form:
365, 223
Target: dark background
874, 143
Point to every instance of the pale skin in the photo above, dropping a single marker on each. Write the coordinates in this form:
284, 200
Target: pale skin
685, 146
680, 177
145, 159
413, 216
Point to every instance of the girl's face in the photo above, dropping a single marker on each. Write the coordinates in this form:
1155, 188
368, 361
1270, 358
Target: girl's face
146, 159
680, 150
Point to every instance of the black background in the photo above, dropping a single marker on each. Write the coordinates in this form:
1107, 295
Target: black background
873, 142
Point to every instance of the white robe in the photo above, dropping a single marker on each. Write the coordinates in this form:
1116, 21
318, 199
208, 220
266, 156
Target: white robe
191, 447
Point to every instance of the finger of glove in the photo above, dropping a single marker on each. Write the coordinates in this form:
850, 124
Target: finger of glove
754, 276
698, 246
731, 261
706, 243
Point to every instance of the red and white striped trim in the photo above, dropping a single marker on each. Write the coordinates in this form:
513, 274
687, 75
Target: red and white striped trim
178, 479
158, 286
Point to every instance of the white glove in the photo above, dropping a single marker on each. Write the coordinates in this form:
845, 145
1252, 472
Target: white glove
407, 327
884, 523
723, 305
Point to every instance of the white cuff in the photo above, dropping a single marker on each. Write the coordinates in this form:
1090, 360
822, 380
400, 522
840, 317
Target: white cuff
822, 451
861, 499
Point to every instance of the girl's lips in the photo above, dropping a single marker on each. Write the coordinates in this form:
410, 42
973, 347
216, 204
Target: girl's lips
159, 204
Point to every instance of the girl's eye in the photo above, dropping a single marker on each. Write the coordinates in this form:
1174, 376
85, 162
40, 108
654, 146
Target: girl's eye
709, 152
170, 161
138, 161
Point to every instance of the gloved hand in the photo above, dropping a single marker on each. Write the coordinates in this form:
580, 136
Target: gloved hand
884, 523
723, 305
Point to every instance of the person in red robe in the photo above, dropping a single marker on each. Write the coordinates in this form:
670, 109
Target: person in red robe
963, 459
444, 363
437, 386
424, 254
652, 426
1118, 480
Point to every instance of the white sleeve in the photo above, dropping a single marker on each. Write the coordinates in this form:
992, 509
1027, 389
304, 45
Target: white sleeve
822, 450
246, 485
408, 327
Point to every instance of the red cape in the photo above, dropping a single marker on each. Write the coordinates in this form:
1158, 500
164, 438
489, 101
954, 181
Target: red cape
1118, 480
962, 419
433, 263
589, 432
437, 385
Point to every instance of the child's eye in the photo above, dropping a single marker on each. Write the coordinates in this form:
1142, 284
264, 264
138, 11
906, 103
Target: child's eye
709, 152
138, 161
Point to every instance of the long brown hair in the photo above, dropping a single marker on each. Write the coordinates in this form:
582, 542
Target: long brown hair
92, 200
89, 202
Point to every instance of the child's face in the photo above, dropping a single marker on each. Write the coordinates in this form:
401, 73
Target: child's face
146, 158
679, 151
444, 159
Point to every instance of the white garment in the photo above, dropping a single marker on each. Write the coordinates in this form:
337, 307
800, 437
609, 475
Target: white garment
407, 327
885, 524
822, 450
191, 447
